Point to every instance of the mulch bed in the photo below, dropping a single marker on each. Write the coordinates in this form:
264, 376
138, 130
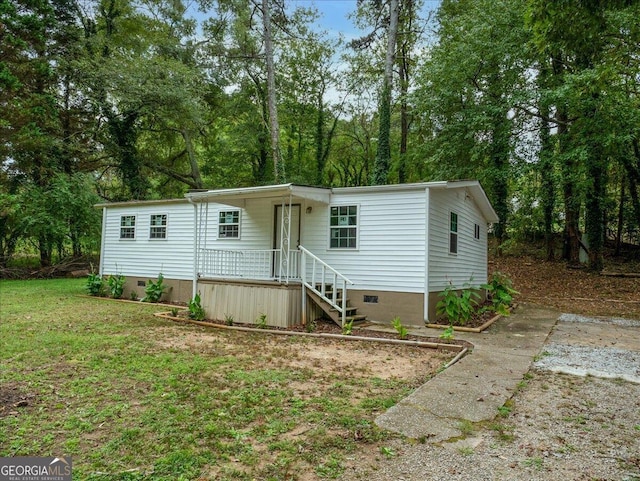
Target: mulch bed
325, 326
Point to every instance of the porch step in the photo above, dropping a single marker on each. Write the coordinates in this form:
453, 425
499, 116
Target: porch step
351, 311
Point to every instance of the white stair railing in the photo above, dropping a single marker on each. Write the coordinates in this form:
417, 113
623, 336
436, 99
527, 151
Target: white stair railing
316, 276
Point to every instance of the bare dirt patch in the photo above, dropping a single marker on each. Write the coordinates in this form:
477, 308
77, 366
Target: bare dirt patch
336, 358
14, 398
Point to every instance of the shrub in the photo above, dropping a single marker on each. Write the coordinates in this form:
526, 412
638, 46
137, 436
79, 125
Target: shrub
116, 285
154, 290
500, 290
458, 307
196, 311
95, 285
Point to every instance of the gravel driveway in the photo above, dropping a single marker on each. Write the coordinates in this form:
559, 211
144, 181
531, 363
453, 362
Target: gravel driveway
564, 423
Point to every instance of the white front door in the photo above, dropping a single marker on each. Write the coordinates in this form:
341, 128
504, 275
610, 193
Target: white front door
286, 237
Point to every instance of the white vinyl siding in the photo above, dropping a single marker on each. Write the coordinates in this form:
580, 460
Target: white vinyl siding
255, 224
145, 257
471, 259
391, 240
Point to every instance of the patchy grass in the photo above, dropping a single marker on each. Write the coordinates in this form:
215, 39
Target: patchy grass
132, 397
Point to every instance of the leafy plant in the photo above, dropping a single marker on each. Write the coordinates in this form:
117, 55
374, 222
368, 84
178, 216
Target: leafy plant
154, 290
133, 296
459, 307
196, 311
311, 325
174, 311
261, 321
116, 285
401, 330
447, 334
501, 292
95, 285
228, 319
347, 329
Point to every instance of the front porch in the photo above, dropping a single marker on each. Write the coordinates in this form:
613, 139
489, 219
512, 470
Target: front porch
266, 264
249, 260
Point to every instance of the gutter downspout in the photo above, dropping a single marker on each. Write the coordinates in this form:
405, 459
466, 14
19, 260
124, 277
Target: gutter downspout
427, 220
102, 241
194, 280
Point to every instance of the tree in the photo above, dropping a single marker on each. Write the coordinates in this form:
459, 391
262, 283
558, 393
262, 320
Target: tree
467, 91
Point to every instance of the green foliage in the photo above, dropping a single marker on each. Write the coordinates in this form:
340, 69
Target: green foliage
447, 334
154, 289
500, 290
261, 321
400, 329
458, 307
133, 296
95, 285
228, 319
196, 311
347, 329
116, 285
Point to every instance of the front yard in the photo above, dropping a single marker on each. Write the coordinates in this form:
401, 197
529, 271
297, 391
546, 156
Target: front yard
133, 397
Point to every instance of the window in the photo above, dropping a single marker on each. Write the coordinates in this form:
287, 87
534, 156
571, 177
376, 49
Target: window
453, 233
229, 224
158, 226
476, 231
127, 227
343, 221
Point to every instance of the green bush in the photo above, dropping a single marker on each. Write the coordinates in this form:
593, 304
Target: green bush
459, 307
116, 285
154, 290
95, 285
196, 311
500, 290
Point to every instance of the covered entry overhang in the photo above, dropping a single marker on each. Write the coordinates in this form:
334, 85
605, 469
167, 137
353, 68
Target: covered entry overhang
279, 260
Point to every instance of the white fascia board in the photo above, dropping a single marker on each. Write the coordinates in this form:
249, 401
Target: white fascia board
236, 197
133, 203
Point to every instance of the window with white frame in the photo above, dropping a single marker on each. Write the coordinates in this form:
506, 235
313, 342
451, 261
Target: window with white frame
229, 224
453, 233
127, 227
343, 222
476, 231
158, 226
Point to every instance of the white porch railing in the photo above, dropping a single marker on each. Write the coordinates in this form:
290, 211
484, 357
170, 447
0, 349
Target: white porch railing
249, 264
317, 275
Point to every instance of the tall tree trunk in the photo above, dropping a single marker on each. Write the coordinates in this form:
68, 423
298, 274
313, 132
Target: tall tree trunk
405, 65
620, 218
547, 197
193, 162
274, 127
383, 154
571, 237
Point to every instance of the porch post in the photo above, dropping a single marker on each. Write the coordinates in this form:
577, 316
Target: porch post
303, 265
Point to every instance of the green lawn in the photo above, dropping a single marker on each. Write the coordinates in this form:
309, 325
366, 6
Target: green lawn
105, 383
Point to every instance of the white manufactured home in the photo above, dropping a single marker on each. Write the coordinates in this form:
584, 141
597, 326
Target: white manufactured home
292, 252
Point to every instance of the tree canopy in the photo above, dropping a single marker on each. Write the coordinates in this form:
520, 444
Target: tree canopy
120, 100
